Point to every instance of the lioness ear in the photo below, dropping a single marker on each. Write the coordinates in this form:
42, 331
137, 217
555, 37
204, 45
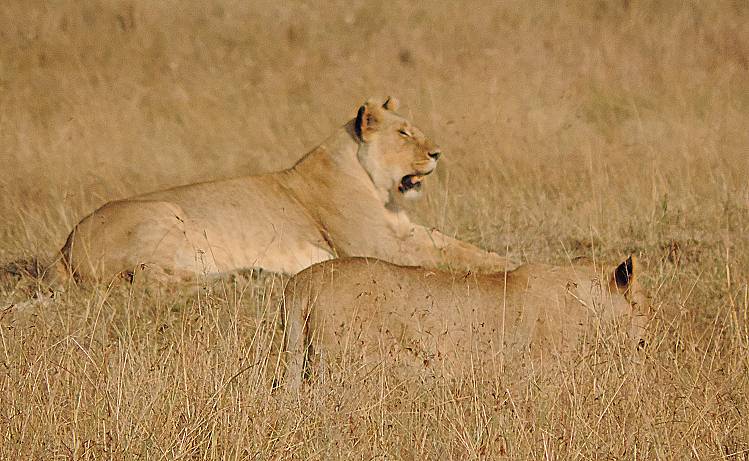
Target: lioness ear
624, 274
392, 104
367, 120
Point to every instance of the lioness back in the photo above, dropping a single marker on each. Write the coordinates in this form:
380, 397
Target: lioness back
199, 228
356, 310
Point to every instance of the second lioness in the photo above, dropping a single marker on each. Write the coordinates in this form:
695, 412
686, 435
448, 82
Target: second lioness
362, 312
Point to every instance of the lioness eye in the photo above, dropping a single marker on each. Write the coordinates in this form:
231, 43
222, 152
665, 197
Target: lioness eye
404, 133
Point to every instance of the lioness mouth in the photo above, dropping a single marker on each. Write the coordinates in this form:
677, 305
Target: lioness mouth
410, 182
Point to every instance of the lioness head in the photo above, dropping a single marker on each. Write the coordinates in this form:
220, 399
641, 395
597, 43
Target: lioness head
625, 281
395, 154
612, 292
621, 294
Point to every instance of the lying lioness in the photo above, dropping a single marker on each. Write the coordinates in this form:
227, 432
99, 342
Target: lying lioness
338, 200
364, 311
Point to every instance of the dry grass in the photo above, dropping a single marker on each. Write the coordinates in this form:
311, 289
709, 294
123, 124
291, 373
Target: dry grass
600, 128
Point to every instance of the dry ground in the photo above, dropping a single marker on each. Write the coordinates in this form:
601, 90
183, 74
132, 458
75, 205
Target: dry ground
598, 128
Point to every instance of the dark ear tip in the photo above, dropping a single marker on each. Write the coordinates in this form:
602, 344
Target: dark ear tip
360, 120
624, 272
391, 103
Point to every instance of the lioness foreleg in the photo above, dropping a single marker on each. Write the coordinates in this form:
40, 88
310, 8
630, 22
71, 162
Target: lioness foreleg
451, 252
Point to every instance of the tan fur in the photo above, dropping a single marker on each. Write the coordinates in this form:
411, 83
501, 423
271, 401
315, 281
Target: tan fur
338, 200
359, 312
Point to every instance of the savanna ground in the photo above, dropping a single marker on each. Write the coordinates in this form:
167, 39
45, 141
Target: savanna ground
573, 128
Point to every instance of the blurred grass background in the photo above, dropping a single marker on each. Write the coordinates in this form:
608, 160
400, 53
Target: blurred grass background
568, 128
572, 112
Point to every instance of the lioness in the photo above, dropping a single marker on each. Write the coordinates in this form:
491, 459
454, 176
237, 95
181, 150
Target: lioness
361, 312
338, 200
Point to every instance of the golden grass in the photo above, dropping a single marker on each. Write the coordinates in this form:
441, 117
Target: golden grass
598, 128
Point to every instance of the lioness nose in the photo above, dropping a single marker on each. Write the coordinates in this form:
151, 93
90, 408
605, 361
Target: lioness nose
434, 155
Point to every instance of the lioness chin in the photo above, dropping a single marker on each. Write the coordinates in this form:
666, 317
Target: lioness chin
338, 200
355, 313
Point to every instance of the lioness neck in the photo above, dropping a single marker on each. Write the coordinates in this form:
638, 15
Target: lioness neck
339, 149
334, 165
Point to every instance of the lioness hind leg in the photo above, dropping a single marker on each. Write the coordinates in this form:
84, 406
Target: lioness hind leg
146, 274
122, 236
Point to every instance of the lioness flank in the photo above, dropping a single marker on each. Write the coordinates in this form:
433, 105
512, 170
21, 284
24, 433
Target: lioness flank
338, 200
356, 313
